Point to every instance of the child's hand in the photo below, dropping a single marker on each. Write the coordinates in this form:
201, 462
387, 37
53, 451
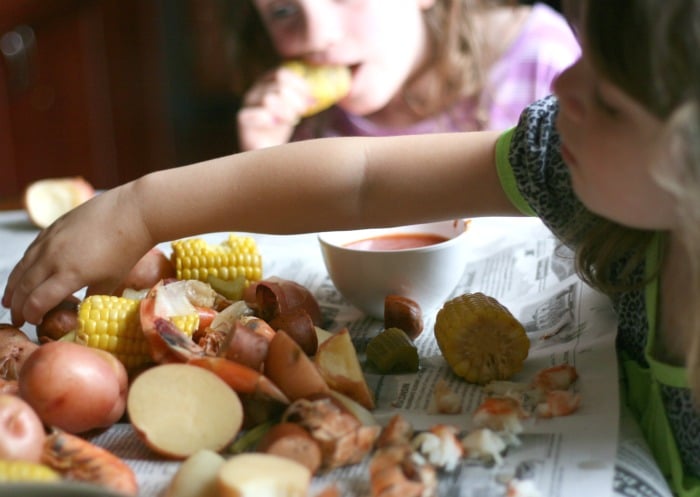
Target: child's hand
95, 244
271, 109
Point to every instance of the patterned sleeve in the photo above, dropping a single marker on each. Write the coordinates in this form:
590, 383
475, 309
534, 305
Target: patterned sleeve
531, 169
545, 47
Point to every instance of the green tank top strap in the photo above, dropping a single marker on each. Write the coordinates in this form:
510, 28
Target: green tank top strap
644, 391
506, 176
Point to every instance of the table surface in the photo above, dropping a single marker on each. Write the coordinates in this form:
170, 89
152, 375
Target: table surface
299, 256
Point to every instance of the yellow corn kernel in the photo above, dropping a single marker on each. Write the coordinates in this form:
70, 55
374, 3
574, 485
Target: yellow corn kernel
187, 323
26, 471
328, 83
480, 339
195, 259
113, 324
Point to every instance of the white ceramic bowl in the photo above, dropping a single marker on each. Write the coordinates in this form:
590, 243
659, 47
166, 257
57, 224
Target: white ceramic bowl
427, 275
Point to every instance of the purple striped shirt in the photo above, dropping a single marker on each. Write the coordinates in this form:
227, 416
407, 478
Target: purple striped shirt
544, 47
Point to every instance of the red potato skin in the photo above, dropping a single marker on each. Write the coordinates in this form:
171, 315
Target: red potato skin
122, 375
291, 369
22, 434
72, 387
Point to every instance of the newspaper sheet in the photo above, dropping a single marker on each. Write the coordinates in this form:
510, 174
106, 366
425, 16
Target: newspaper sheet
596, 451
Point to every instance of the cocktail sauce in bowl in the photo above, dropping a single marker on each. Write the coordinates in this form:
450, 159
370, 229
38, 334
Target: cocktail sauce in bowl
423, 262
397, 241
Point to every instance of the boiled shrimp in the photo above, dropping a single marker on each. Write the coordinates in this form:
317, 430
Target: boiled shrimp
78, 459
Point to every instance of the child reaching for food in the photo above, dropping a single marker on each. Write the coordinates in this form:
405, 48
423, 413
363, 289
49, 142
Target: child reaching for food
587, 161
414, 66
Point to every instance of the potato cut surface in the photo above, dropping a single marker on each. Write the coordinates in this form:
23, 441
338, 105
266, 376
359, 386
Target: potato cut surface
263, 475
179, 409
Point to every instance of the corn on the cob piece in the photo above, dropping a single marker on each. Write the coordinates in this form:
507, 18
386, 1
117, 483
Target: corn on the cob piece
26, 471
187, 323
328, 83
195, 259
480, 339
113, 324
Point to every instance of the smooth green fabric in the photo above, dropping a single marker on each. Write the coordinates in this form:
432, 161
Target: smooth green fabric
506, 176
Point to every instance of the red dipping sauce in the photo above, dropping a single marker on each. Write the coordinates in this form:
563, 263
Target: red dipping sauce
397, 241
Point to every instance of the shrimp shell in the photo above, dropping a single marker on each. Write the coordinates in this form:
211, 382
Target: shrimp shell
78, 459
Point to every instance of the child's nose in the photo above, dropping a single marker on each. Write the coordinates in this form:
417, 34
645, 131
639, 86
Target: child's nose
567, 89
323, 30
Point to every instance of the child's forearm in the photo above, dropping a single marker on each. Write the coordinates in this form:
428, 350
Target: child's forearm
326, 184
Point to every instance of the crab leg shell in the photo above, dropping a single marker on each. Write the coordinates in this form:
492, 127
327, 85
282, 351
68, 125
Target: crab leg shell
206, 316
241, 378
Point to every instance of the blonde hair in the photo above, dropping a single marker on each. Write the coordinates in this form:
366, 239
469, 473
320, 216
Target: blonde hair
681, 178
649, 49
458, 59
655, 60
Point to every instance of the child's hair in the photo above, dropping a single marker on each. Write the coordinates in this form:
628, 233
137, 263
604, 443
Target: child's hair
649, 49
459, 58
252, 50
681, 177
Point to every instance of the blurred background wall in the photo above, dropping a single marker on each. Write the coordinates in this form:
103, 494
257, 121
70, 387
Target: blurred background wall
110, 89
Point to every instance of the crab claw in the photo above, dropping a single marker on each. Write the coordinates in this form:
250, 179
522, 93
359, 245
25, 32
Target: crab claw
241, 378
180, 347
167, 343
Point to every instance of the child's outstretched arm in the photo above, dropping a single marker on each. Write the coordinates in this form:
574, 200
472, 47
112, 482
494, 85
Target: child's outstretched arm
314, 185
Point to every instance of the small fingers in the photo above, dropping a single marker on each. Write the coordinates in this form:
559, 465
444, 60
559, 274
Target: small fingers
33, 295
35, 286
37, 302
17, 284
283, 94
286, 105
